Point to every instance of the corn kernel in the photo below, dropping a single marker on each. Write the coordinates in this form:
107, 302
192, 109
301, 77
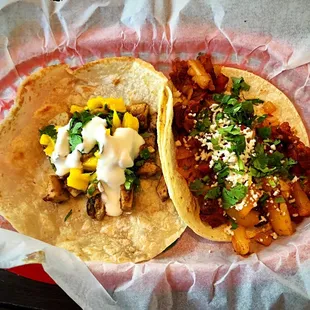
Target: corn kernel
130, 121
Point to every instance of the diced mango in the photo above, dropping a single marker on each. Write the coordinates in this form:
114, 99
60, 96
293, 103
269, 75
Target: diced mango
78, 180
108, 131
96, 103
47, 141
76, 108
99, 102
116, 122
90, 164
130, 121
116, 104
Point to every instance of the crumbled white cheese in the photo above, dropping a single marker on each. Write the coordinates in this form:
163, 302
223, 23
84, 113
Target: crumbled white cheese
178, 143
274, 236
273, 147
228, 230
295, 179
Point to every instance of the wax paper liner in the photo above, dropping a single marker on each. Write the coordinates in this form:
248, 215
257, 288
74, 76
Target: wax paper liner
266, 37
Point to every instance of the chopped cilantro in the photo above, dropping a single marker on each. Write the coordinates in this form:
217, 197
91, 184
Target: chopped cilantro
240, 164
203, 121
263, 199
145, 154
68, 215
238, 85
279, 199
233, 195
238, 144
215, 143
264, 132
213, 193
222, 171
234, 225
230, 130
49, 130
74, 141
272, 183
261, 118
145, 135
91, 189
206, 179
221, 98
219, 116
139, 163
131, 179
76, 125
196, 186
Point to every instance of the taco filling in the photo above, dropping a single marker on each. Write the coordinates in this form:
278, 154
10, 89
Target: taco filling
247, 170
102, 152
100, 192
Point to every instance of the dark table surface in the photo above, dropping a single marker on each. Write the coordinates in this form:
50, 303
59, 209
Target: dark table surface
17, 292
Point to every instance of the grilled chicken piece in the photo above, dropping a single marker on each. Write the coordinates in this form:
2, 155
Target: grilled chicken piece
95, 207
56, 190
73, 191
148, 169
141, 111
153, 122
126, 199
162, 189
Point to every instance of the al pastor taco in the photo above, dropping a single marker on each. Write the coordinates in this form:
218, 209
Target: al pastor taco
237, 156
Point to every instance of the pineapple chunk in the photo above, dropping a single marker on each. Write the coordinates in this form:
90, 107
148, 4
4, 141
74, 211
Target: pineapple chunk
47, 141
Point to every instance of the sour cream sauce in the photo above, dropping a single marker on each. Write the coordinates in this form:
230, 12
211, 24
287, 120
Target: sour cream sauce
117, 153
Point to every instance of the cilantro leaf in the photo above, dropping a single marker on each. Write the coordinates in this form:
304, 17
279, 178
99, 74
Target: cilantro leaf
196, 186
234, 225
49, 130
263, 199
234, 195
74, 141
145, 154
213, 193
264, 132
238, 144
203, 121
131, 179
222, 171
68, 215
261, 118
238, 85
229, 130
279, 199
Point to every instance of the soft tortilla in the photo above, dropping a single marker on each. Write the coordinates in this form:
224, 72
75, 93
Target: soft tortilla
185, 203
140, 236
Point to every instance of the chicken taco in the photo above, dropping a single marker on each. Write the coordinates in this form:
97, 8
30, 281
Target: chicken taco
237, 156
79, 161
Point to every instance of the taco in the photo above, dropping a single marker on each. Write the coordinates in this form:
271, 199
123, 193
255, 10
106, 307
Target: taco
237, 156
79, 161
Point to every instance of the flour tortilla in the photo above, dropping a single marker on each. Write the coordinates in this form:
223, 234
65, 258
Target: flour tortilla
24, 170
185, 203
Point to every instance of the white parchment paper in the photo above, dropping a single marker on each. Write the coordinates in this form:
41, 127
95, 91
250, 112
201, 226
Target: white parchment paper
270, 38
